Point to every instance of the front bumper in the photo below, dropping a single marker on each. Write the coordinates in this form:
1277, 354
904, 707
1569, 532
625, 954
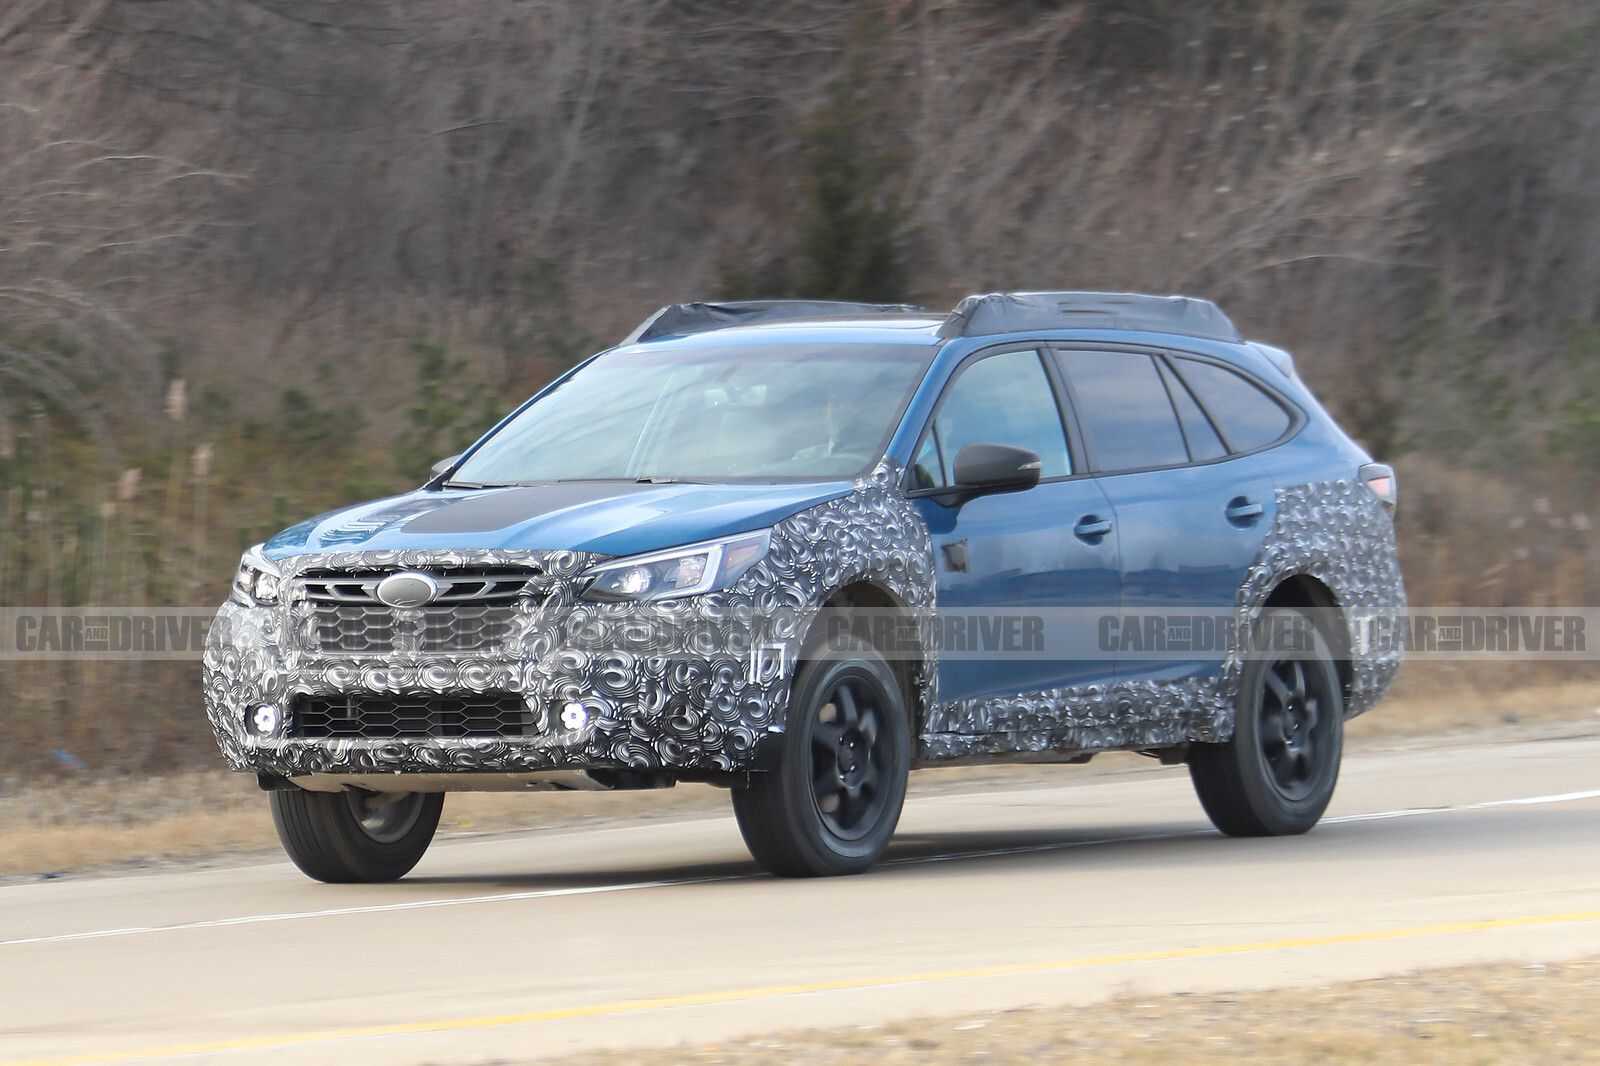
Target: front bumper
698, 685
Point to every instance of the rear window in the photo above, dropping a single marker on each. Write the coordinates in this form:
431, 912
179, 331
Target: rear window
1125, 409
1246, 414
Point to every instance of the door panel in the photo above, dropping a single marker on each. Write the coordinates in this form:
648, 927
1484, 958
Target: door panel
1008, 562
1184, 555
1189, 525
1023, 561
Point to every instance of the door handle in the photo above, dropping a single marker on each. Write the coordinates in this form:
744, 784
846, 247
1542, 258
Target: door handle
1091, 527
1240, 509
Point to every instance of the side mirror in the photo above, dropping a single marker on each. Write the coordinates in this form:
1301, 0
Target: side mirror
982, 469
444, 465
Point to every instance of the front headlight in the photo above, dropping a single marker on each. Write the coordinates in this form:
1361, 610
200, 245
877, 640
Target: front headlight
686, 571
256, 581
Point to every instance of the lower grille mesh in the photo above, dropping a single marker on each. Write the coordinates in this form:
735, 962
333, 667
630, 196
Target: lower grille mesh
398, 716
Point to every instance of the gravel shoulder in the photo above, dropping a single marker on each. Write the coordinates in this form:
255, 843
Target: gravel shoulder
1478, 1014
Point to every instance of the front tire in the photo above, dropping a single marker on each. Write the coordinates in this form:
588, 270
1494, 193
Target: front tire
1276, 776
833, 803
353, 836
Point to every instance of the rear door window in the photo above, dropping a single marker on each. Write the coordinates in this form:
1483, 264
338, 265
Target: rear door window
1247, 414
1124, 410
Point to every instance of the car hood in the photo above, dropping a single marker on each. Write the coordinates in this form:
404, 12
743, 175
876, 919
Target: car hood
604, 517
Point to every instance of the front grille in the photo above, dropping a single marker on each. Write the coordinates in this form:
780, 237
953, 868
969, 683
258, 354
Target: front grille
473, 612
370, 716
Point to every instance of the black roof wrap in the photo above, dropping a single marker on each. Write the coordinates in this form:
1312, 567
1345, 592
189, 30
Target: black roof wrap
1014, 312
681, 319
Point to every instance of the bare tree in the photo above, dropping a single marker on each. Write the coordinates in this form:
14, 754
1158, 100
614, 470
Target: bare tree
84, 223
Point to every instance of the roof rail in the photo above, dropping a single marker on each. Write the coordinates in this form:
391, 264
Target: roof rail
683, 319
1013, 312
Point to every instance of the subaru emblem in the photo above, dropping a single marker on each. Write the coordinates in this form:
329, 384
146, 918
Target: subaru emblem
407, 589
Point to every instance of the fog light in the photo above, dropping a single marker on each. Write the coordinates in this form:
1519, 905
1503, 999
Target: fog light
265, 720
574, 715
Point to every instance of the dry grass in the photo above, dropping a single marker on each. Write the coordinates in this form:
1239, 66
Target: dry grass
1479, 1014
73, 824
1436, 698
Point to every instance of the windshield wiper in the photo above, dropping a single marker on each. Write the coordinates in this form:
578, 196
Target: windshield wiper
652, 479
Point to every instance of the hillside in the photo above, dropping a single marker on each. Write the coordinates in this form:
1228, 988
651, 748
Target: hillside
261, 257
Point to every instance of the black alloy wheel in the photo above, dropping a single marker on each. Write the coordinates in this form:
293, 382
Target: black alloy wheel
1294, 729
849, 766
1276, 775
832, 804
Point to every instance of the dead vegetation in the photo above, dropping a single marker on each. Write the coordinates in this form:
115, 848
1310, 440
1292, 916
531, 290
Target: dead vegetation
258, 259
1479, 1014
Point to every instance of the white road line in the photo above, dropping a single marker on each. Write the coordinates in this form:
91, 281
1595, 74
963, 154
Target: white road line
1415, 812
376, 908
636, 886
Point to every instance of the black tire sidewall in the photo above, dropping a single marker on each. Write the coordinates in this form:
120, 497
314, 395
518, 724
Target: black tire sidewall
1278, 813
322, 836
816, 678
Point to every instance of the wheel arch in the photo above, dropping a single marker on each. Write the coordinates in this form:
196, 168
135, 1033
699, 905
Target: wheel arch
1305, 592
886, 614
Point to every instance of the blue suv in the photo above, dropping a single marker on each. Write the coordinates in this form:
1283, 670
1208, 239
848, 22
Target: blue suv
797, 549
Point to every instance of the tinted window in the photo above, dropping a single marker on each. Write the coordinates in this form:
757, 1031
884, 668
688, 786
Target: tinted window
1000, 399
1125, 409
713, 413
1247, 416
1197, 429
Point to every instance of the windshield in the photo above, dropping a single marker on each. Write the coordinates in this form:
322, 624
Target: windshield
719, 413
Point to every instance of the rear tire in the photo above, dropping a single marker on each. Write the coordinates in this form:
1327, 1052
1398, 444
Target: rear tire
833, 803
354, 837
1277, 775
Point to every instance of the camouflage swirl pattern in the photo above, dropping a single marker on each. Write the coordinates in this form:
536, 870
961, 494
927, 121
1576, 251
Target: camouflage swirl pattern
698, 684
688, 684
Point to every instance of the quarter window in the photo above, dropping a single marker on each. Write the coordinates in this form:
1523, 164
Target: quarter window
927, 471
1000, 399
1248, 417
1203, 441
1125, 410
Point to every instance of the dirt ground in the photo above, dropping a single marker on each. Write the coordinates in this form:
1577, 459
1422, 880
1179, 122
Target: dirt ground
77, 822
1481, 1014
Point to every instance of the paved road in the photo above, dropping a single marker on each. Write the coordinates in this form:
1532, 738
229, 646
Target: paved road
542, 943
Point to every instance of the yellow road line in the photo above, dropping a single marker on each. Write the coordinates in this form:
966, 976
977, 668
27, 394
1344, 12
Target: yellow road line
736, 995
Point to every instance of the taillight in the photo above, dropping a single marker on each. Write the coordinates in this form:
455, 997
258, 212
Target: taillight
1379, 480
